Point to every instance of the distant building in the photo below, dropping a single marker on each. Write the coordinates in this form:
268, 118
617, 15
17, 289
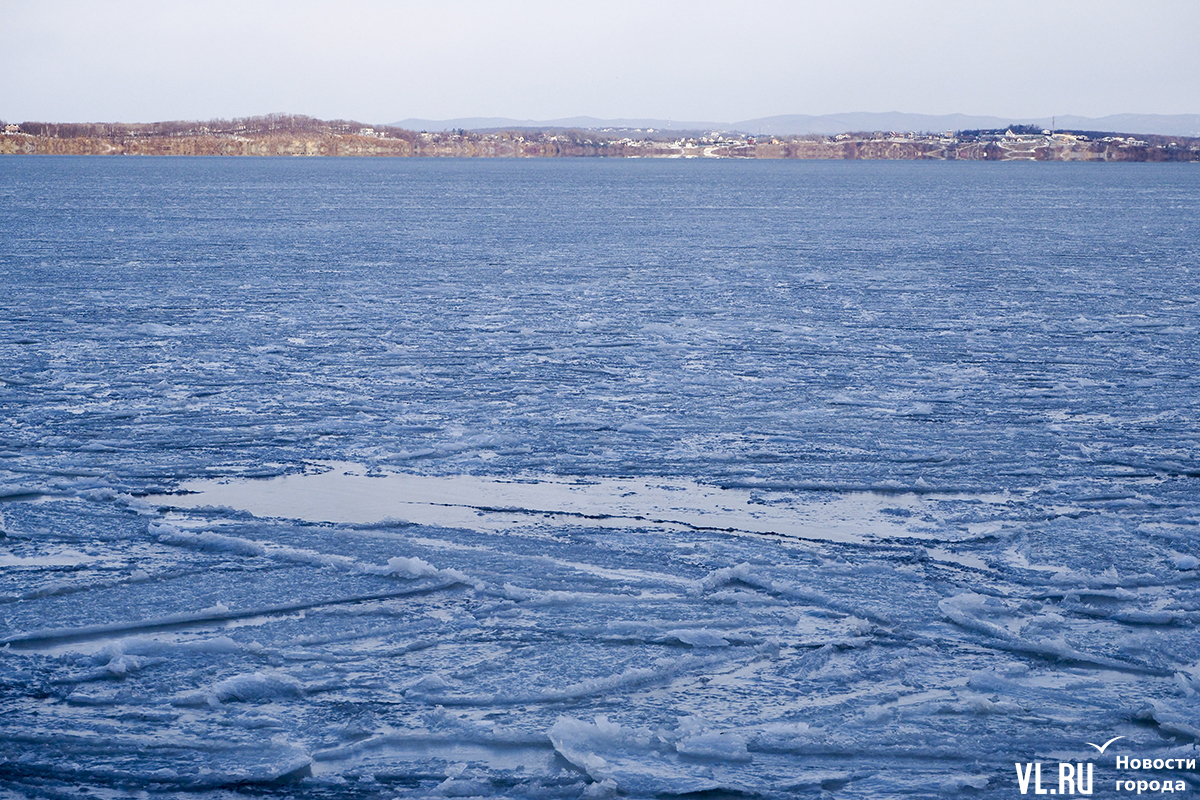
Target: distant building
12, 128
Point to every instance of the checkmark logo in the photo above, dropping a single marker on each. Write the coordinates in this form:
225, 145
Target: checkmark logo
1101, 749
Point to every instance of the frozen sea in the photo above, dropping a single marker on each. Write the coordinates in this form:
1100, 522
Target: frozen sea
341, 478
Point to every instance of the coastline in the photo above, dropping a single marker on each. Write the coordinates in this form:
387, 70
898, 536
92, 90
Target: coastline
301, 136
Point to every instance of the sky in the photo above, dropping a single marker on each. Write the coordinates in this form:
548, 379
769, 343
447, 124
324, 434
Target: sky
378, 62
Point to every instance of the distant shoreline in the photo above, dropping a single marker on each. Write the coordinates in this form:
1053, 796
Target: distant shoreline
282, 135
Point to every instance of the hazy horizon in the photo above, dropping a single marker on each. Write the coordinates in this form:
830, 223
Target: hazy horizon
136, 60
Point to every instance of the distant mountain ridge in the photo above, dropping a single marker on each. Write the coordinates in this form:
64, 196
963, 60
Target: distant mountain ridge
800, 124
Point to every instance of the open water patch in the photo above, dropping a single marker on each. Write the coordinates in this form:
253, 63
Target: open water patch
354, 494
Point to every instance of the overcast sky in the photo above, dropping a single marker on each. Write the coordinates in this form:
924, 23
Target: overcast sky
377, 61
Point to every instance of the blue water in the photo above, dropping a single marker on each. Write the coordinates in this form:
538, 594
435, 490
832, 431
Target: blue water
1011, 347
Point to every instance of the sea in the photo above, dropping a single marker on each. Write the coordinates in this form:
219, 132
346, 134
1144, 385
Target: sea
587, 478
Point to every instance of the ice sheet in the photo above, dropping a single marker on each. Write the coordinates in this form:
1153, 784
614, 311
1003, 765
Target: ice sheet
482, 454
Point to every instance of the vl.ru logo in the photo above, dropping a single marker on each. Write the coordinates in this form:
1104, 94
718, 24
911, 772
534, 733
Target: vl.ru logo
1072, 778
1077, 778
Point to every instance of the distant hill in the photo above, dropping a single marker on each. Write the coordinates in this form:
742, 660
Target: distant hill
801, 124
566, 123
